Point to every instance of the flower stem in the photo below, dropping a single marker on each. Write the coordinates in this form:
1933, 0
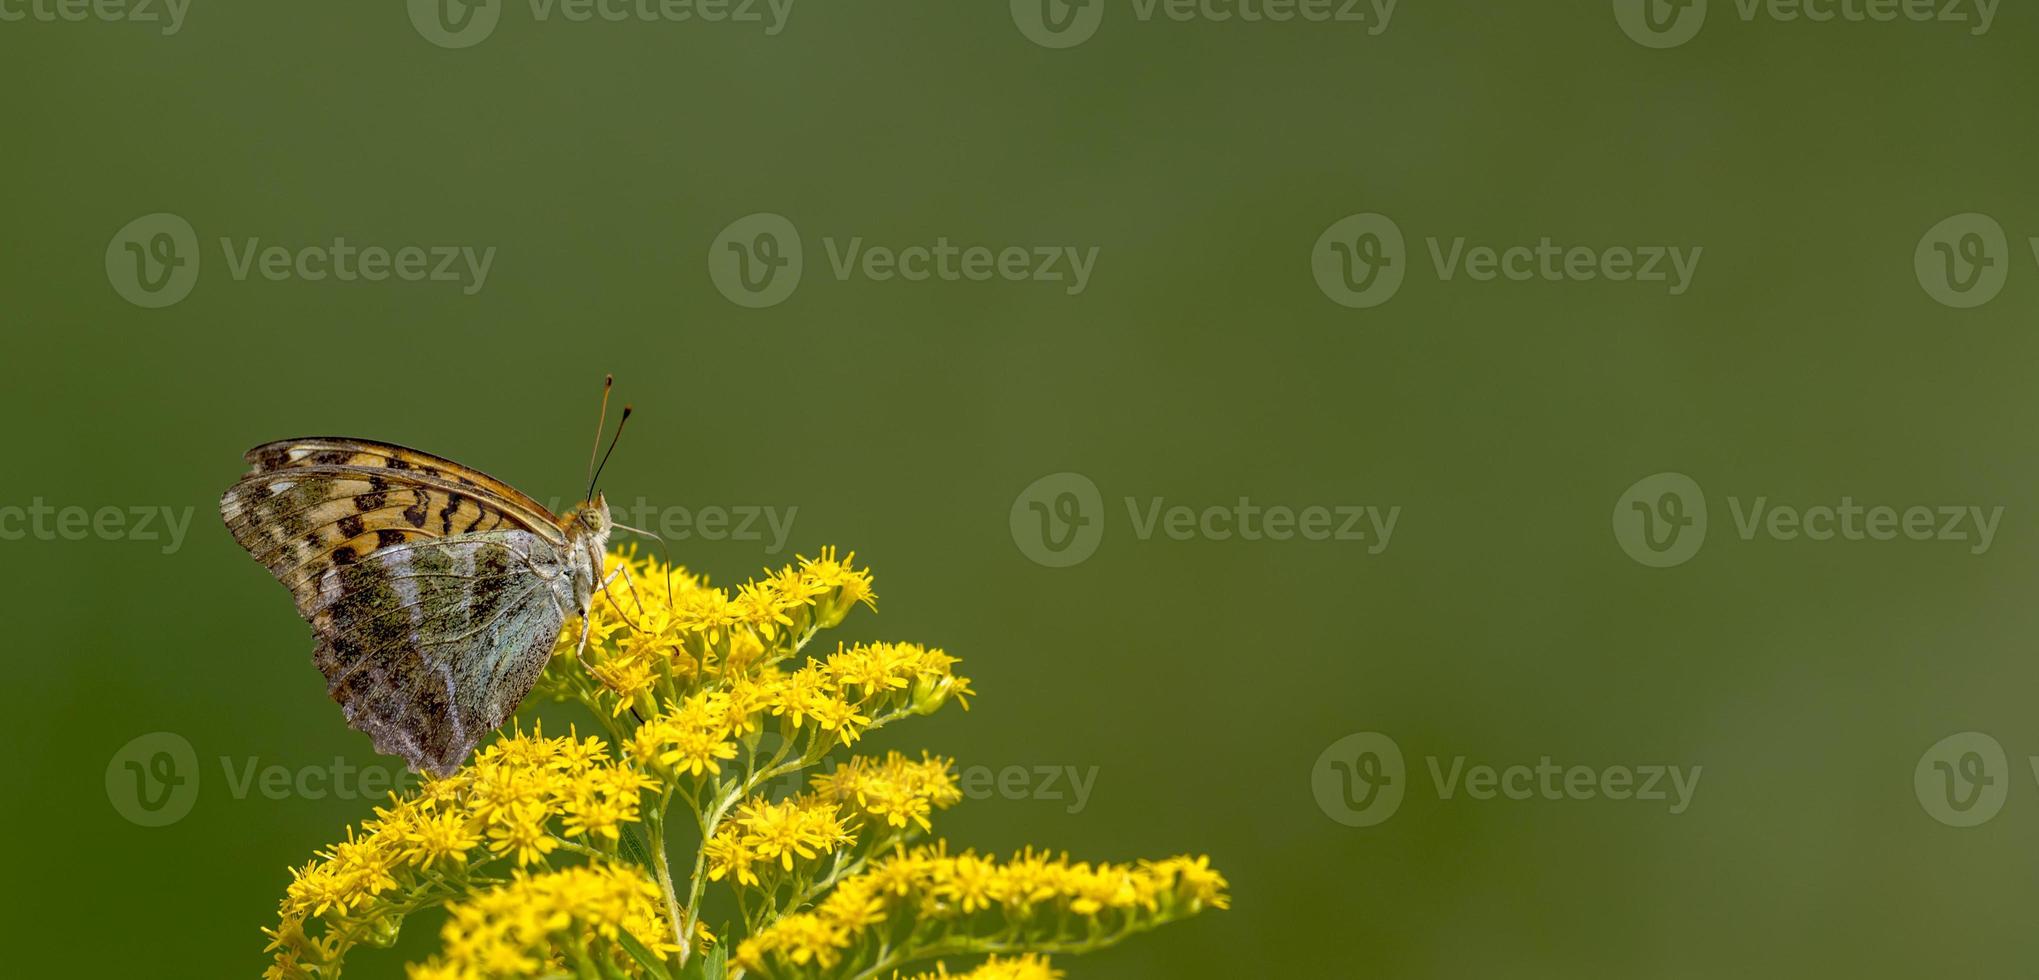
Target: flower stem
655, 828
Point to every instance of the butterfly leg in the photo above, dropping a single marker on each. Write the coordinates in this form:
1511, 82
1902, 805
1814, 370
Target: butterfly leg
632, 585
624, 570
581, 653
588, 619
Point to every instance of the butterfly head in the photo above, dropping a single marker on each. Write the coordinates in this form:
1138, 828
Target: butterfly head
590, 517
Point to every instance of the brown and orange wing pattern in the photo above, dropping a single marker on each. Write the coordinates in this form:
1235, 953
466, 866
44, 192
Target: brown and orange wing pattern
342, 451
314, 504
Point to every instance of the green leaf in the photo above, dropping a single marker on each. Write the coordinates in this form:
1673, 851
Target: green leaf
653, 966
713, 966
634, 849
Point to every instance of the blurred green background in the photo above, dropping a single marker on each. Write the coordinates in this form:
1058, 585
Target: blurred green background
1201, 678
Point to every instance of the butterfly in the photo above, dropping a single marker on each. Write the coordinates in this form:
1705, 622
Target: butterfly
435, 592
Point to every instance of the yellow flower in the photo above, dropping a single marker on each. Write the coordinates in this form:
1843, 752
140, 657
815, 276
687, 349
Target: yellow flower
760, 605
729, 857
692, 739
1029, 966
439, 837
896, 790
968, 881
628, 675
514, 929
842, 718
803, 827
1032, 895
521, 831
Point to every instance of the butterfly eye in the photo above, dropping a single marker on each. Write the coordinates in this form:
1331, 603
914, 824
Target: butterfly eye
590, 518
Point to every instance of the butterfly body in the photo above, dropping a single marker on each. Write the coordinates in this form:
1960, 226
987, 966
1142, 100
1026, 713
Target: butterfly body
435, 592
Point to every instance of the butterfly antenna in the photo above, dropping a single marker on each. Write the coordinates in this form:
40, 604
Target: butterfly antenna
662, 547
601, 422
625, 420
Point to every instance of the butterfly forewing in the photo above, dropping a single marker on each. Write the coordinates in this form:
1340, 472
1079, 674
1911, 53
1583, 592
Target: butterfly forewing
299, 521
340, 451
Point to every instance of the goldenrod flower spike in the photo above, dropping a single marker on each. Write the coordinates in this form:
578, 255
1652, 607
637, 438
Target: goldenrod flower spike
552, 856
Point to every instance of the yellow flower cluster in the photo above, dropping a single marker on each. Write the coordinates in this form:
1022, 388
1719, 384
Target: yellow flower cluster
554, 855
774, 833
515, 800
557, 922
862, 808
1027, 967
925, 897
895, 791
839, 699
678, 630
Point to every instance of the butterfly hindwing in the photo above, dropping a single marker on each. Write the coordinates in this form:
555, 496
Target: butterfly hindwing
429, 645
